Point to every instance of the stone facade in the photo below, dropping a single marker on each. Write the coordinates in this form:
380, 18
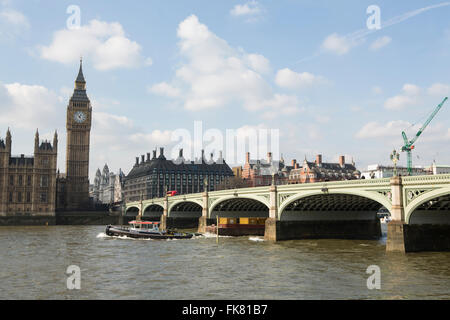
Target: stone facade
78, 126
107, 188
28, 184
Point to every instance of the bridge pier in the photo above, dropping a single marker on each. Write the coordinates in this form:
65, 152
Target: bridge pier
424, 234
163, 221
272, 230
203, 220
396, 228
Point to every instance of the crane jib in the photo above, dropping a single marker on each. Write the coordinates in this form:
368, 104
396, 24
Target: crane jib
409, 144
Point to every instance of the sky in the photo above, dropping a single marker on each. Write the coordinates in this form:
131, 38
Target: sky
328, 77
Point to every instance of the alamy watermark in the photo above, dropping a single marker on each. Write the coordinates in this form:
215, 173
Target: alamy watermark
74, 279
73, 22
374, 281
230, 145
374, 20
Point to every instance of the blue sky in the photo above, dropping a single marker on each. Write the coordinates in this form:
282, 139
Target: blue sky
153, 67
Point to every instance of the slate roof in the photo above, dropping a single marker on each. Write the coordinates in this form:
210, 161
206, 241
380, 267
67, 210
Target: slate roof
161, 164
80, 95
325, 169
80, 77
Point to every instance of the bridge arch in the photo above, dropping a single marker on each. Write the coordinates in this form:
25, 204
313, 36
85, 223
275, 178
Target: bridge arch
185, 209
338, 200
132, 211
153, 210
442, 194
234, 206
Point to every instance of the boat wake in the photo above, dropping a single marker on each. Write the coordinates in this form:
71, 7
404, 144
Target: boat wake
257, 239
103, 235
212, 235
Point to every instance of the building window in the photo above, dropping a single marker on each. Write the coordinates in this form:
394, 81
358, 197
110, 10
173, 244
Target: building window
20, 180
28, 197
10, 197
11, 180
43, 197
29, 180
44, 181
19, 197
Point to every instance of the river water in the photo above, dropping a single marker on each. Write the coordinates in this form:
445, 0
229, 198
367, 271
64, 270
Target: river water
34, 261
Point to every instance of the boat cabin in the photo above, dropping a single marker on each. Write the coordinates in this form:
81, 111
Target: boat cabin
144, 225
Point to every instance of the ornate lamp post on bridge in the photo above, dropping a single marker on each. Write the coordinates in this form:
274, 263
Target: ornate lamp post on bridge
395, 157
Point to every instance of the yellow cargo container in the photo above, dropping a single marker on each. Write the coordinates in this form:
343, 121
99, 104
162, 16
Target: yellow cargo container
244, 220
228, 220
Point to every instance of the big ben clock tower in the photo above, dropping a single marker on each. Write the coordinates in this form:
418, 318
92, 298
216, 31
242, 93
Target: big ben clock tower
78, 125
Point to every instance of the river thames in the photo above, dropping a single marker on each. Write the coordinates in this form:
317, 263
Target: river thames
34, 261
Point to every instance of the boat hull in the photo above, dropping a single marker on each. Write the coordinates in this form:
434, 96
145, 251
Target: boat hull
121, 231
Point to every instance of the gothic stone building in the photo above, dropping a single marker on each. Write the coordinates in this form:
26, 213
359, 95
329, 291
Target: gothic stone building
107, 188
152, 177
28, 184
73, 186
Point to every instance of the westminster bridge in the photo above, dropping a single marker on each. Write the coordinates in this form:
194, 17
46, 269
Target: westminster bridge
419, 208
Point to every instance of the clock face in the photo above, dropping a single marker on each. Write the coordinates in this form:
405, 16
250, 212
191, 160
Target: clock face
79, 116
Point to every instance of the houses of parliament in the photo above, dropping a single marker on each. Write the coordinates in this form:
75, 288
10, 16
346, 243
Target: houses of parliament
31, 185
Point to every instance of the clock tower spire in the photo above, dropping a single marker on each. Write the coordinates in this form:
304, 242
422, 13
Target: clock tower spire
78, 126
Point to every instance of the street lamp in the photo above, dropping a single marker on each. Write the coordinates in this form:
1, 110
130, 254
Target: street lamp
205, 183
395, 157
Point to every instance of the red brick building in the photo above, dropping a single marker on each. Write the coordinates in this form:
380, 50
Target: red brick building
260, 172
319, 171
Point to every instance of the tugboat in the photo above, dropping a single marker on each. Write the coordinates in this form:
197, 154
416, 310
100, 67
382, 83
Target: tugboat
145, 230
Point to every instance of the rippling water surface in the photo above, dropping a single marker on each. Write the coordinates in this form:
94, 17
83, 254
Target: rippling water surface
34, 261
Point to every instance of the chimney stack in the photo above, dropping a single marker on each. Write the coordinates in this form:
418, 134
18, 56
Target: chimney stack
269, 157
319, 159
161, 152
342, 161
296, 166
137, 161
142, 159
154, 154
294, 162
148, 156
180, 153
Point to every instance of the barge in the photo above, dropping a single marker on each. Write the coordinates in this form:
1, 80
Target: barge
238, 227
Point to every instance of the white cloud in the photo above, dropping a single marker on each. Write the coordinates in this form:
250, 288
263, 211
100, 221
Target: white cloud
250, 8
375, 130
258, 63
380, 43
337, 44
26, 106
102, 42
165, 89
409, 97
12, 23
286, 78
156, 137
214, 75
439, 89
